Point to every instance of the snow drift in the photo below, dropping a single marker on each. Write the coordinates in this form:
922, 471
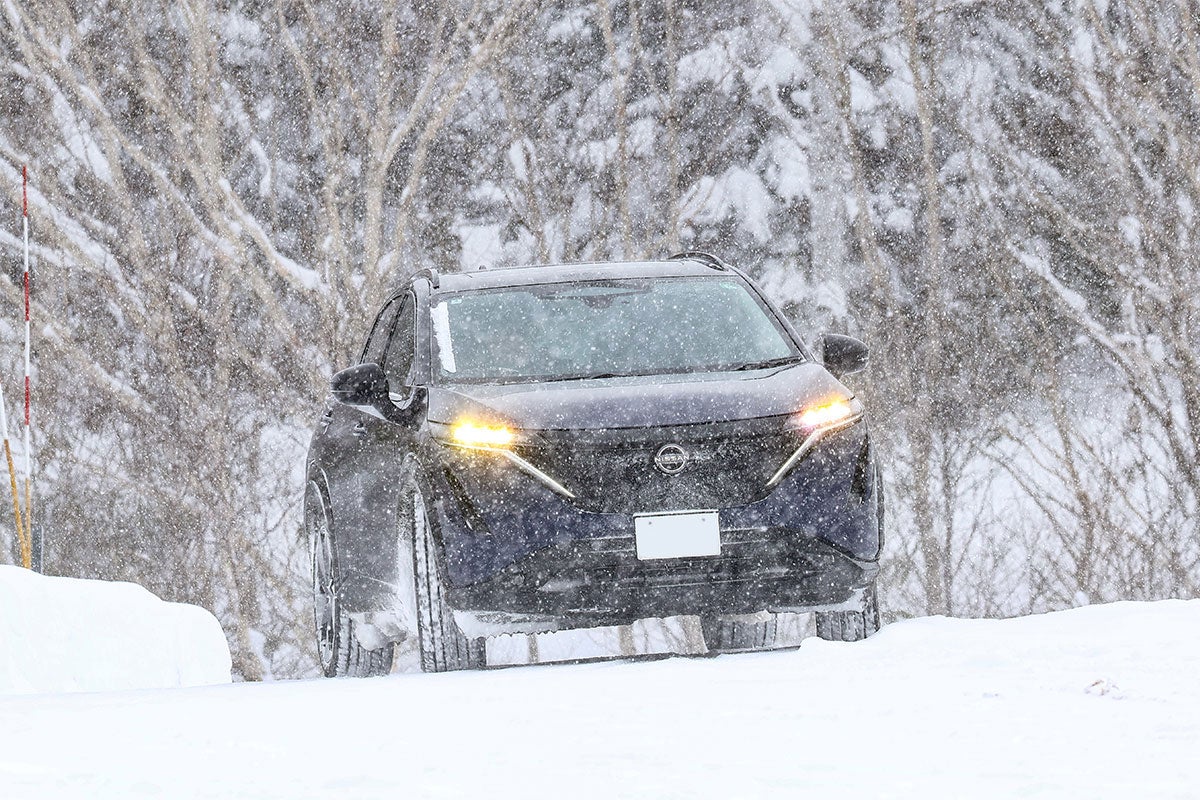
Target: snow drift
1096, 702
72, 635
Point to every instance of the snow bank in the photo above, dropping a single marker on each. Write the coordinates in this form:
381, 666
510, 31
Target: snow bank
1096, 702
71, 635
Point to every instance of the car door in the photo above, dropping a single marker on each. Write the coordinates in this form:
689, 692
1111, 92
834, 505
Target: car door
341, 452
380, 447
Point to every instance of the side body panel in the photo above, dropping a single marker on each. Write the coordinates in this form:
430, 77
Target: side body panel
357, 455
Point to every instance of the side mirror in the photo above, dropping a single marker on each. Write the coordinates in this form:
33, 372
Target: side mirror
843, 355
363, 386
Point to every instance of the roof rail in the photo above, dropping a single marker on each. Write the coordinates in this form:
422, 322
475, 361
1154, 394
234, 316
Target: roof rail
708, 259
432, 274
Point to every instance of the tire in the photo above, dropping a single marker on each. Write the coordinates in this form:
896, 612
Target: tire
441, 643
339, 651
356, 661
734, 634
880, 513
851, 626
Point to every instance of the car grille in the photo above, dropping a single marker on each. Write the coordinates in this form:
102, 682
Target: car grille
613, 471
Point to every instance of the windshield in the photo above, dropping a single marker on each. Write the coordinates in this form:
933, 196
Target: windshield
605, 328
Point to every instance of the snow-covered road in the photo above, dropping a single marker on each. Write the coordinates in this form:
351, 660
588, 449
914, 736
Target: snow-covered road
1096, 702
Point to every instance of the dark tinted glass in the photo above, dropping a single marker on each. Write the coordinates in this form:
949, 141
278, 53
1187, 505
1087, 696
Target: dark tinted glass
377, 341
398, 360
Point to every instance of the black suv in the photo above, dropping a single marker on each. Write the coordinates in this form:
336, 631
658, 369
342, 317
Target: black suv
550, 447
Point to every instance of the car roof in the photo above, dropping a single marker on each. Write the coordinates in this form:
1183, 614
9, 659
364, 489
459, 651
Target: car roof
568, 273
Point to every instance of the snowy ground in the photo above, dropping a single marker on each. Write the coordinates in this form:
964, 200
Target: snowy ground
1096, 702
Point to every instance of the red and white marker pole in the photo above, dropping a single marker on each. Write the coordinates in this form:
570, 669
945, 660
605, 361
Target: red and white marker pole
26, 546
36, 554
23, 542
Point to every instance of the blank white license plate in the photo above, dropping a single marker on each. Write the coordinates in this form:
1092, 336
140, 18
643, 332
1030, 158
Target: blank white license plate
682, 535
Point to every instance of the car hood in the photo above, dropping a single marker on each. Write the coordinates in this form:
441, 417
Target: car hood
636, 402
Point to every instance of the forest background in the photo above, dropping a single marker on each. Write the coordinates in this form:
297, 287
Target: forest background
1000, 198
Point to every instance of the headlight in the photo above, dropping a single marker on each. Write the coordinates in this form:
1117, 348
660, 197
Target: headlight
815, 422
834, 414
487, 437
499, 439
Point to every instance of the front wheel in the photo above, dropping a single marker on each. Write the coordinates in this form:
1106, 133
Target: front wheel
744, 633
442, 644
338, 649
851, 626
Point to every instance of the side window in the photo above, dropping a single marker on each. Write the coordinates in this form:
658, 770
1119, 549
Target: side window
377, 341
397, 363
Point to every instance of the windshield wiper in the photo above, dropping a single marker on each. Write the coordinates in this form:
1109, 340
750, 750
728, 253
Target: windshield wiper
770, 362
592, 376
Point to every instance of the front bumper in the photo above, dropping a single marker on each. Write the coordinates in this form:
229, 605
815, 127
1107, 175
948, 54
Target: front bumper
512, 545
602, 580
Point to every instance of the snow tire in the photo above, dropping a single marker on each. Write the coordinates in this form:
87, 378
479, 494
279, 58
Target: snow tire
732, 635
338, 649
441, 643
356, 661
851, 626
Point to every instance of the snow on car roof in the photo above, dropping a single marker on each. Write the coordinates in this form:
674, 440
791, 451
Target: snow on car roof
566, 273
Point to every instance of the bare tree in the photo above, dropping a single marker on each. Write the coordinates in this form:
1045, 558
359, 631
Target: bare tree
213, 286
